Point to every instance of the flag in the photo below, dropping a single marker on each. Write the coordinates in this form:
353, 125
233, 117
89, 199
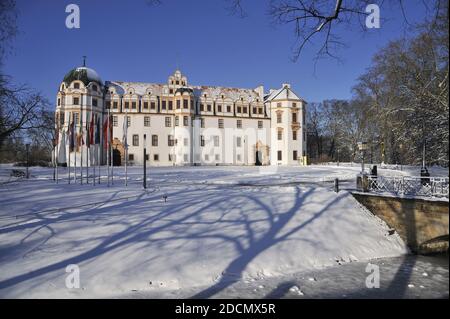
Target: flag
105, 132
91, 130
67, 135
62, 149
125, 132
88, 135
71, 136
56, 132
110, 129
80, 139
97, 131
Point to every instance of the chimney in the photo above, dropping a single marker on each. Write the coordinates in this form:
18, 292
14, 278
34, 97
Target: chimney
260, 91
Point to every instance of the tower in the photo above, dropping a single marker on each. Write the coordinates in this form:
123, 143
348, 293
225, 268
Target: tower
80, 92
184, 112
288, 131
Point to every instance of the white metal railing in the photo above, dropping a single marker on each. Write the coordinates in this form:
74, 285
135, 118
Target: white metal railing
410, 185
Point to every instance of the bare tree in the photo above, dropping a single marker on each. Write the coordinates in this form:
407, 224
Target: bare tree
21, 109
406, 90
315, 130
8, 27
322, 22
313, 19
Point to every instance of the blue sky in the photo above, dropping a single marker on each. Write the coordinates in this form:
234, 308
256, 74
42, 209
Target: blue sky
133, 41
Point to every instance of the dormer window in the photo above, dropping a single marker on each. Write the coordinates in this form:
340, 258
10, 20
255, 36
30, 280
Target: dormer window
94, 88
76, 85
177, 82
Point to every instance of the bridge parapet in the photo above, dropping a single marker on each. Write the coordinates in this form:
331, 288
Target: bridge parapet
422, 224
408, 185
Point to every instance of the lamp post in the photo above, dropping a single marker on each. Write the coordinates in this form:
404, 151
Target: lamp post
401, 156
338, 157
28, 157
54, 158
362, 146
145, 162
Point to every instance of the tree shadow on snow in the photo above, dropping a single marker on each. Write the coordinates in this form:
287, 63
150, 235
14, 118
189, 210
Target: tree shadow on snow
169, 219
234, 270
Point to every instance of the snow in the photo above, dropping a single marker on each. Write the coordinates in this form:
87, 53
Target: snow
220, 226
345, 281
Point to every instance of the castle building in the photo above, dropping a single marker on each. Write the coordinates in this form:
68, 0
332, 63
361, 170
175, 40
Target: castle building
183, 124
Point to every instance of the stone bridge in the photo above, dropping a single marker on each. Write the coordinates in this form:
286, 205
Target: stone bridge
422, 224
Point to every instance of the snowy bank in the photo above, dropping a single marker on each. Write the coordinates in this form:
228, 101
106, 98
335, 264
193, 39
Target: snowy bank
205, 234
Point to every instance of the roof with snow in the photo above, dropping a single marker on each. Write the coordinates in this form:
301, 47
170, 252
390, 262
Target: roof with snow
285, 93
83, 74
213, 92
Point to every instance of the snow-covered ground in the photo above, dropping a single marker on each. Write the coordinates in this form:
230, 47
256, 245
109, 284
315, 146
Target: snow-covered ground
196, 229
407, 276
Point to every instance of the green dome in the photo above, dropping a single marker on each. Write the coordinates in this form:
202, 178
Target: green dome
83, 74
184, 89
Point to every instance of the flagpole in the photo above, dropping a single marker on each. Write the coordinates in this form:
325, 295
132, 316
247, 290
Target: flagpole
107, 144
68, 136
126, 147
98, 162
54, 148
92, 127
75, 151
99, 146
57, 156
81, 141
57, 147
53, 159
111, 150
87, 147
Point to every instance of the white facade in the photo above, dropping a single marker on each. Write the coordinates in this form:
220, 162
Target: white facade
184, 124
